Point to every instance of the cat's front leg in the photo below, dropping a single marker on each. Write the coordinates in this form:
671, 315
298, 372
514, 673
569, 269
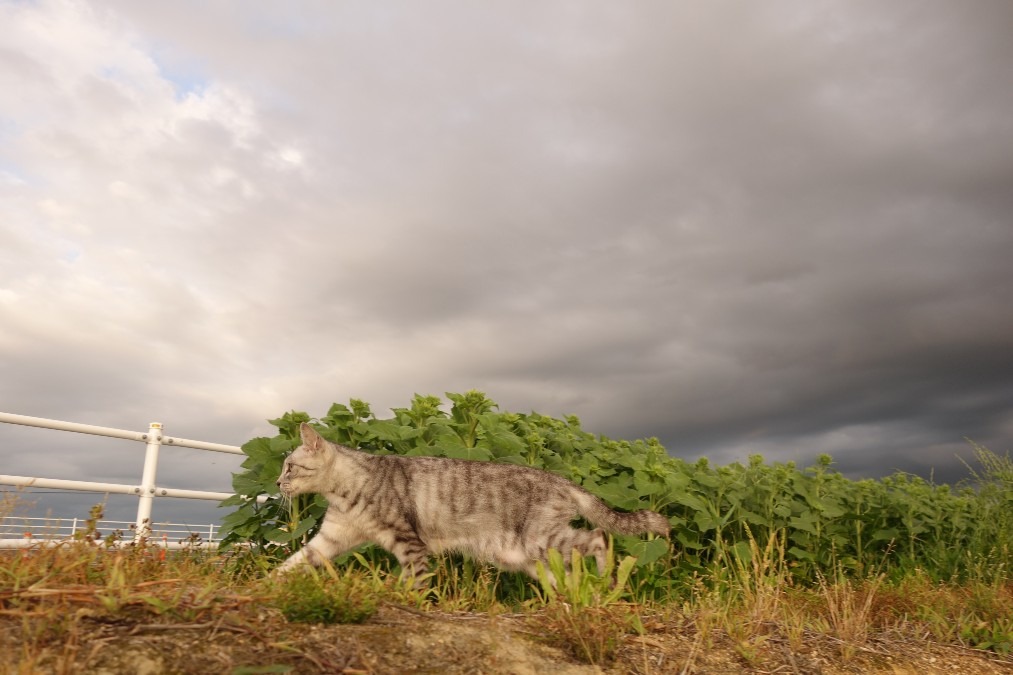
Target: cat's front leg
327, 544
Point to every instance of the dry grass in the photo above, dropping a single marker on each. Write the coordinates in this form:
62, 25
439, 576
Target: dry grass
83, 607
100, 607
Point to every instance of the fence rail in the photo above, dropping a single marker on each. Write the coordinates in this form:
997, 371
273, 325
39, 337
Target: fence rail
146, 490
22, 532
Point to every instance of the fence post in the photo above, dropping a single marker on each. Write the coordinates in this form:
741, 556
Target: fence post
147, 488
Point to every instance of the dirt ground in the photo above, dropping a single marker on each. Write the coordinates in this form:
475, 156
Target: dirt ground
403, 640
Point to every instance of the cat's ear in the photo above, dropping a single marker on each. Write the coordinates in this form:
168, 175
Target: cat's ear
311, 440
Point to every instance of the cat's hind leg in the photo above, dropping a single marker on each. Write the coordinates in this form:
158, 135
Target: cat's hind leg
413, 555
595, 544
585, 542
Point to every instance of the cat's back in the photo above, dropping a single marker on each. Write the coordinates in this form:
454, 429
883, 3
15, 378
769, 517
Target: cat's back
468, 471
461, 484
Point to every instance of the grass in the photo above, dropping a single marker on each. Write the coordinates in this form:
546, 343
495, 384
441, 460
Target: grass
311, 596
78, 605
100, 604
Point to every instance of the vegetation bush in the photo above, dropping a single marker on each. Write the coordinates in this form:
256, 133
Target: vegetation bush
720, 516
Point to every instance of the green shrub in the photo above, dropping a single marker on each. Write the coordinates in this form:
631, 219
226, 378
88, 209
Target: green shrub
896, 524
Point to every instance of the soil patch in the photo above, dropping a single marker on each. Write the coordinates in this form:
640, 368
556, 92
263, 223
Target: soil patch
403, 640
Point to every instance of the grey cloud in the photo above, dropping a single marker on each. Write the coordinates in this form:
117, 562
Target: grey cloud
779, 228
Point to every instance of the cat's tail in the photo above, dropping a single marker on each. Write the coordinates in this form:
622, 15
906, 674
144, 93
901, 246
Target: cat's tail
599, 514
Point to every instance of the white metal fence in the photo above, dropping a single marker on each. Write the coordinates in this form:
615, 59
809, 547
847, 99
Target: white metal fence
22, 532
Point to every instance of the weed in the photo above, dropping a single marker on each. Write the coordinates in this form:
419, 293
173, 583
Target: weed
464, 586
579, 586
848, 610
592, 634
311, 596
583, 613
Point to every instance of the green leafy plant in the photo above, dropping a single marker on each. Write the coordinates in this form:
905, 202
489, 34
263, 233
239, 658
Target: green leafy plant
577, 585
827, 523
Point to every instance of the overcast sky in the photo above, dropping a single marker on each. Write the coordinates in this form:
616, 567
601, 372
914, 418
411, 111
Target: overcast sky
782, 228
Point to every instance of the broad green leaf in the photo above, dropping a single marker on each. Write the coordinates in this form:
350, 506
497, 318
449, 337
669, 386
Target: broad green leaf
742, 551
468, 453
305, 525
706, 521
246, 484
799, 554
281, 445
258, 449
689, 543
691, 501
512, 459
279, 536
804, 522
618, 495
649, 550
889, 534
242, 515
234, 500
645, 484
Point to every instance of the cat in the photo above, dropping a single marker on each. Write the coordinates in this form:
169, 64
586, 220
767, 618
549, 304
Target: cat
504, 514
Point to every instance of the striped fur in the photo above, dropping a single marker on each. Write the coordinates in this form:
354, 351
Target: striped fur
414, 506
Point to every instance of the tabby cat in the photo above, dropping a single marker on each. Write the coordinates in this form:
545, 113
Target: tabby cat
505, 514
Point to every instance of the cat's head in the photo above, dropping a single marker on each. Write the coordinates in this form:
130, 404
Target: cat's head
305, 470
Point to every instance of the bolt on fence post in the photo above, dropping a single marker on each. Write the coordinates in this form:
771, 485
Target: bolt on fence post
147, 487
